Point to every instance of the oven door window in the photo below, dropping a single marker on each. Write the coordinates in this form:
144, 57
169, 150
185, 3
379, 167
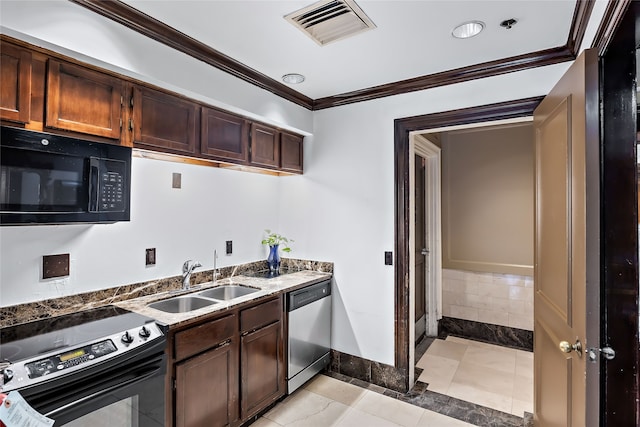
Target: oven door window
123, 413
39, 182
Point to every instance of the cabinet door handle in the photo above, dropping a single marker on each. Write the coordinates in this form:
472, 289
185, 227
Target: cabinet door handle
131, 124
224, 343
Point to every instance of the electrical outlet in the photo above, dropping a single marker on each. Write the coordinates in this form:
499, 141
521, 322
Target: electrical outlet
55, 266
229, 247
150, 256
388, 258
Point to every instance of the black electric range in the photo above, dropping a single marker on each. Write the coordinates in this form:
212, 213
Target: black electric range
53, 347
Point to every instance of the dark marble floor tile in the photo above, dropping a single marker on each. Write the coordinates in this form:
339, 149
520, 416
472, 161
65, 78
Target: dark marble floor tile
528, 419
360, 383
419, 387
418, 372
392, 393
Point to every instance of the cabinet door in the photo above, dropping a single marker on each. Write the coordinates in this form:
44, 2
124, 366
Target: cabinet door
15, 83
291, 152
82, 100
262, 369
164, 121
224, 136
265, 146
207, 388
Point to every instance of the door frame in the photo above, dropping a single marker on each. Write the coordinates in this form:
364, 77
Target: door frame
403, 130
425, 148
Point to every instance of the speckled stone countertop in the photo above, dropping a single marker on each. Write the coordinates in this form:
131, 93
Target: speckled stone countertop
266, 287
159, 289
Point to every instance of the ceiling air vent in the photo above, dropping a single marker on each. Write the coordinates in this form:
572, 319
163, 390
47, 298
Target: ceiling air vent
330, 20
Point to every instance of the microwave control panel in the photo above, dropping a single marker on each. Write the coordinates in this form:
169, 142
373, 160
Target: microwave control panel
112, 182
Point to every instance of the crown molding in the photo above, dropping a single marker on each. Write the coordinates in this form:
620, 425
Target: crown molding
150, 27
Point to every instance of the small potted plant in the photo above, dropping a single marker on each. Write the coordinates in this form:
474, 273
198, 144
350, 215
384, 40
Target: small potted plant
276, 242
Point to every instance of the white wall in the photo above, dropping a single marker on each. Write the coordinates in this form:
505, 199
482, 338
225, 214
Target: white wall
340, 210
213, 205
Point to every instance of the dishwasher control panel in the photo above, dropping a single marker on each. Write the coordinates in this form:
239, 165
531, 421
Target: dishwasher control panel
307, 295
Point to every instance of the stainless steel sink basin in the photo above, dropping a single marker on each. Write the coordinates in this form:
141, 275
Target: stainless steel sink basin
181, 304
227, 292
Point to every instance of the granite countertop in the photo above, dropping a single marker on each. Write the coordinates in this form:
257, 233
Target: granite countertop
270, 286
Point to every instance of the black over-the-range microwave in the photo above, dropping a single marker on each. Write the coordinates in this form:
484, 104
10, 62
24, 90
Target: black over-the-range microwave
55, 179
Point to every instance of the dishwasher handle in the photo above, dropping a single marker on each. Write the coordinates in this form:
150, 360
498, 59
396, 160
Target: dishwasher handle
310, 294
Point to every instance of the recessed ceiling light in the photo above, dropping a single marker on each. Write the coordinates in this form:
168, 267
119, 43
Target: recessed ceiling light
293, 78
468, 29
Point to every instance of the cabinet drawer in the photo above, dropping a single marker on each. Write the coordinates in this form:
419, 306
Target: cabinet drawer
200, 338
261, 315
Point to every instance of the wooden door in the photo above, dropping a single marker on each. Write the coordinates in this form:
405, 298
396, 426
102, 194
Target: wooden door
224, 136
83, 100
164, 122
262, 369
563, 122
420, 247
15, 83
207, 388
265, 146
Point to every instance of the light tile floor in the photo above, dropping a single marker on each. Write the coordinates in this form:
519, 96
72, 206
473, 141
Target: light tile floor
489, 375
326, 401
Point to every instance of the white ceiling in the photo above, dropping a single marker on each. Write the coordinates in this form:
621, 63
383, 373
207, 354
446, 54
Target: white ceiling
412, 38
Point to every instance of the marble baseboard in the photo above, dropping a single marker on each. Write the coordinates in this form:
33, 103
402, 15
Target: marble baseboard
368, 371
520, 339
22, 313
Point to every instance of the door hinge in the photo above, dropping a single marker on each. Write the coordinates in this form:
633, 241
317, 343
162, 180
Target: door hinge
607, 352
175, 384
121, 123
130, 124
121, 100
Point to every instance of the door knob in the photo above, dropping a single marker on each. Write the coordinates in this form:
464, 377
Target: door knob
566, 347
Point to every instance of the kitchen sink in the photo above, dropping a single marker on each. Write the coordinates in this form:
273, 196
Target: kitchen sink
227, 292
181, 304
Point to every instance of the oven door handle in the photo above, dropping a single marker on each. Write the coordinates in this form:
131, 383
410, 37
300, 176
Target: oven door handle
107, 390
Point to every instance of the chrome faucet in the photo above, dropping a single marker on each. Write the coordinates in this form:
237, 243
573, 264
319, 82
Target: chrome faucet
187, 269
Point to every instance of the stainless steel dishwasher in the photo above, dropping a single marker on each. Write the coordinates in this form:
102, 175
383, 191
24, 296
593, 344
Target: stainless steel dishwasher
309, 311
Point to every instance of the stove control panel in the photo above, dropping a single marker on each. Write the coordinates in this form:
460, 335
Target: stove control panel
67, 360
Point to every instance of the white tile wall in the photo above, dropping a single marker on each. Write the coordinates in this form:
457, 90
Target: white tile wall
500, 299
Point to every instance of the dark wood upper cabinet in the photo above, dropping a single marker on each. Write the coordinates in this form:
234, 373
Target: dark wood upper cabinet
83, 100
164, 122
265, 146
224, 136
291, 152
15, 83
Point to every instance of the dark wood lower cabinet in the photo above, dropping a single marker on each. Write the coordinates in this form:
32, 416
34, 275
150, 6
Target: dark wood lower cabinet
262, 370
207, 388
223, 378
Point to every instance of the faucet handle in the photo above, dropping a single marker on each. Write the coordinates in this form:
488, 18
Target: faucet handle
186, 265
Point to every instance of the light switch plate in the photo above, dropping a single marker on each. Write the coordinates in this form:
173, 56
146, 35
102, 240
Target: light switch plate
388, 258
176, 180
150, 256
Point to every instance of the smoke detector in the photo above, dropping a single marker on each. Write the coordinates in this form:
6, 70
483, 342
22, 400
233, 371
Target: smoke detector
330, 20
